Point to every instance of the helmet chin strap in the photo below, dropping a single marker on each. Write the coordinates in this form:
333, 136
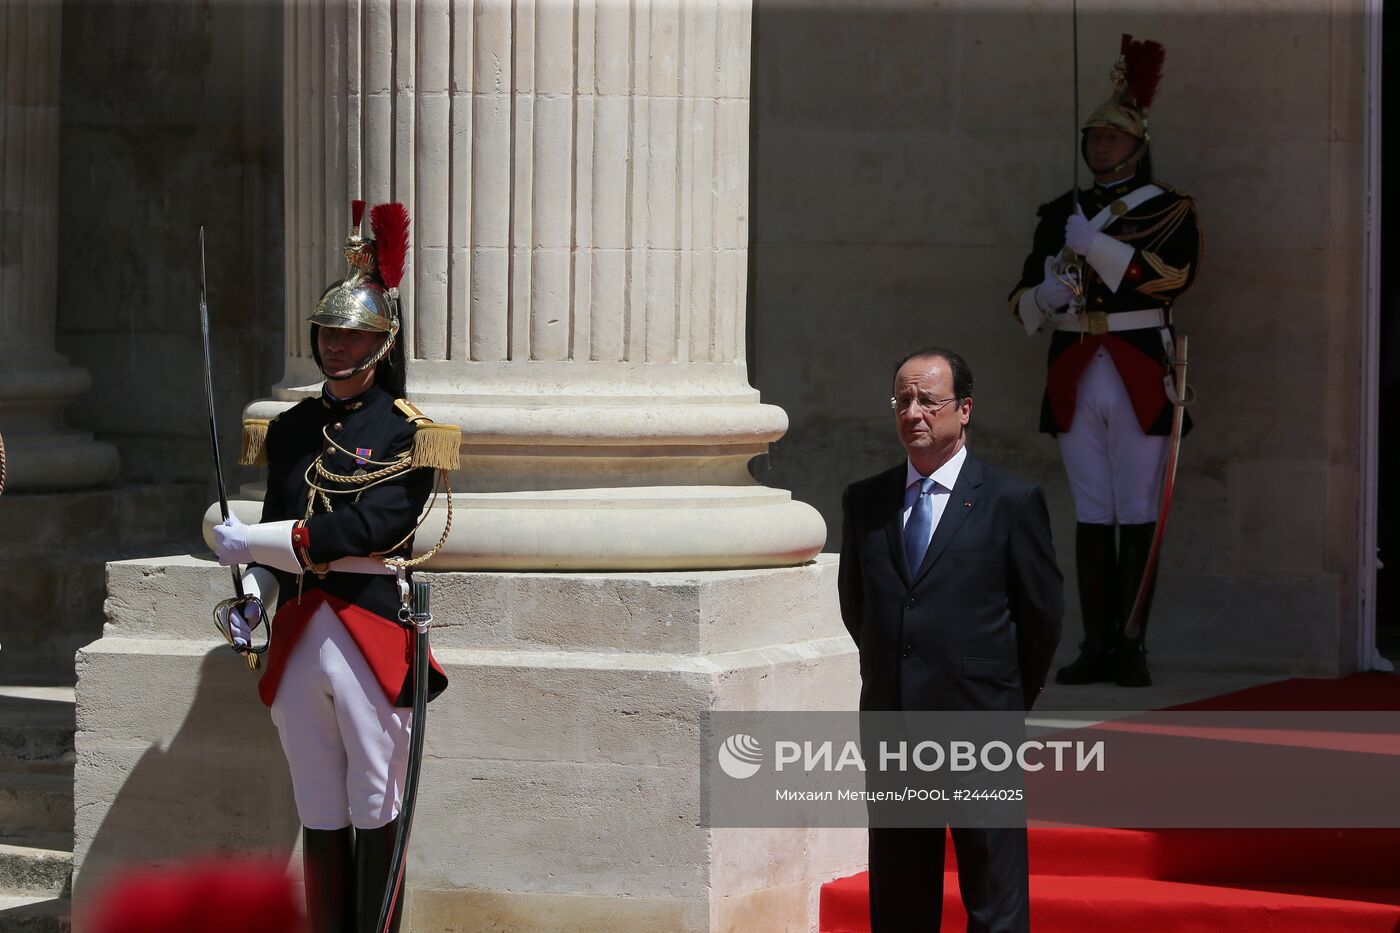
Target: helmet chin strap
1131, 160
371, 360
1136, 156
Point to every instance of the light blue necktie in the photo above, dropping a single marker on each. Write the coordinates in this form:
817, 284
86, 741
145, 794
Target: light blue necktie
917, 528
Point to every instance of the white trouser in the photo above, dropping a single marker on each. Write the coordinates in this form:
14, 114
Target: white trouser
346, 744
1115, 470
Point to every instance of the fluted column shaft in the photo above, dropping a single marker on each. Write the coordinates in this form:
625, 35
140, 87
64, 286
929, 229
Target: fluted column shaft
577, 175
572, 170
35, 381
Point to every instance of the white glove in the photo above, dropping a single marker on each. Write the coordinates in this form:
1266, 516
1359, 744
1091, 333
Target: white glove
1052, 294
231, 542
1079, 233
241, 620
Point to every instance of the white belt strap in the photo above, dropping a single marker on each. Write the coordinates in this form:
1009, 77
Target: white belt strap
1129, 201
1115, 321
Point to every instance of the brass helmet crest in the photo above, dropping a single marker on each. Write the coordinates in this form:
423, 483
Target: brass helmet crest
1135, 77
368, 298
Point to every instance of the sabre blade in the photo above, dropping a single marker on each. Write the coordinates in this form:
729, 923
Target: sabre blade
1074, 84
209, 399
209, 381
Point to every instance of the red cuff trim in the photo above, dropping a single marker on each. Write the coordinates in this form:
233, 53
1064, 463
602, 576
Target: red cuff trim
301, 537
1133, 273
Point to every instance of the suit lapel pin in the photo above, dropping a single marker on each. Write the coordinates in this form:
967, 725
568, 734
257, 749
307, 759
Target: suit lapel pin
967, 503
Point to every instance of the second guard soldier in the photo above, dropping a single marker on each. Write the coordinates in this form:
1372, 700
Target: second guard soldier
1107, 266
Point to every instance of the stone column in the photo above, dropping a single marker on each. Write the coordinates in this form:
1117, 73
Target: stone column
36, 383
577, 175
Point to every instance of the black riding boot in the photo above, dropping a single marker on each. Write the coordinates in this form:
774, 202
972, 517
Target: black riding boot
328, 862
374, 849
1096, 567
1134, 545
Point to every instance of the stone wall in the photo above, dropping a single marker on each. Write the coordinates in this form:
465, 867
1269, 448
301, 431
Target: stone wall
171, 118
899, 154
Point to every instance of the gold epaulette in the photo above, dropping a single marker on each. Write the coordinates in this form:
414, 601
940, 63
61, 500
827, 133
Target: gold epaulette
434, 445
1170, 189
254, 449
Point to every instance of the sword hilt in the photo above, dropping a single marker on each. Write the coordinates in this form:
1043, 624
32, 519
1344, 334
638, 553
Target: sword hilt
252, 654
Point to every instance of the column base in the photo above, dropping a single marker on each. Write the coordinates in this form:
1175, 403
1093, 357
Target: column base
631, 528
563, 785
42, 454
604, 482
56, 462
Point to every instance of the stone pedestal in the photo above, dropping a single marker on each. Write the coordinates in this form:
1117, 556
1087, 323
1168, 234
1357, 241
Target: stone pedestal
36, 383
562, 785
577, 175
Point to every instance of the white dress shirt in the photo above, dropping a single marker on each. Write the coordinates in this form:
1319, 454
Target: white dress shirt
943, 478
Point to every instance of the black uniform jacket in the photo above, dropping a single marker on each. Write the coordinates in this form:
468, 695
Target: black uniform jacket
975, 626
362, 520
1167, 249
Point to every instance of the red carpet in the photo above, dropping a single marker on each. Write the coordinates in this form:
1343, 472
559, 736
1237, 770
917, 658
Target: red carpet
1184, 881
1358, 692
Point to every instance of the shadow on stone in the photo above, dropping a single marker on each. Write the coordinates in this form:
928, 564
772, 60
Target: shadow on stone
219, 784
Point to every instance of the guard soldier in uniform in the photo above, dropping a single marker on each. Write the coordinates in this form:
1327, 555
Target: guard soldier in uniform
348, 475
1107, 265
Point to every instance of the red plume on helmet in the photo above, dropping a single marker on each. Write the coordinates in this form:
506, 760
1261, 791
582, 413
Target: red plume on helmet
1144, 66
1135, 77
367, 299
390, 225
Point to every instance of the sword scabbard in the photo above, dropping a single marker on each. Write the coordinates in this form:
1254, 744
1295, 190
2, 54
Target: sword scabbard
1133, 627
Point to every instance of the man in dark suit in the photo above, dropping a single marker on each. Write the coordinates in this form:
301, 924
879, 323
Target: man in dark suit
950, 588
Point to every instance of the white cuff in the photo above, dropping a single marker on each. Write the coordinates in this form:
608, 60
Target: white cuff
1031, 316
1110, 258
259, 582
270, 543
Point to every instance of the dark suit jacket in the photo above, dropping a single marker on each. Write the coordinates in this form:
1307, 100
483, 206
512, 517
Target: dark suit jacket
976, 625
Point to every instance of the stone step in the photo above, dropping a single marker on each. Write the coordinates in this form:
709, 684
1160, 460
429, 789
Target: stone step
35, 913
37, 723
36, 797
40, 864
